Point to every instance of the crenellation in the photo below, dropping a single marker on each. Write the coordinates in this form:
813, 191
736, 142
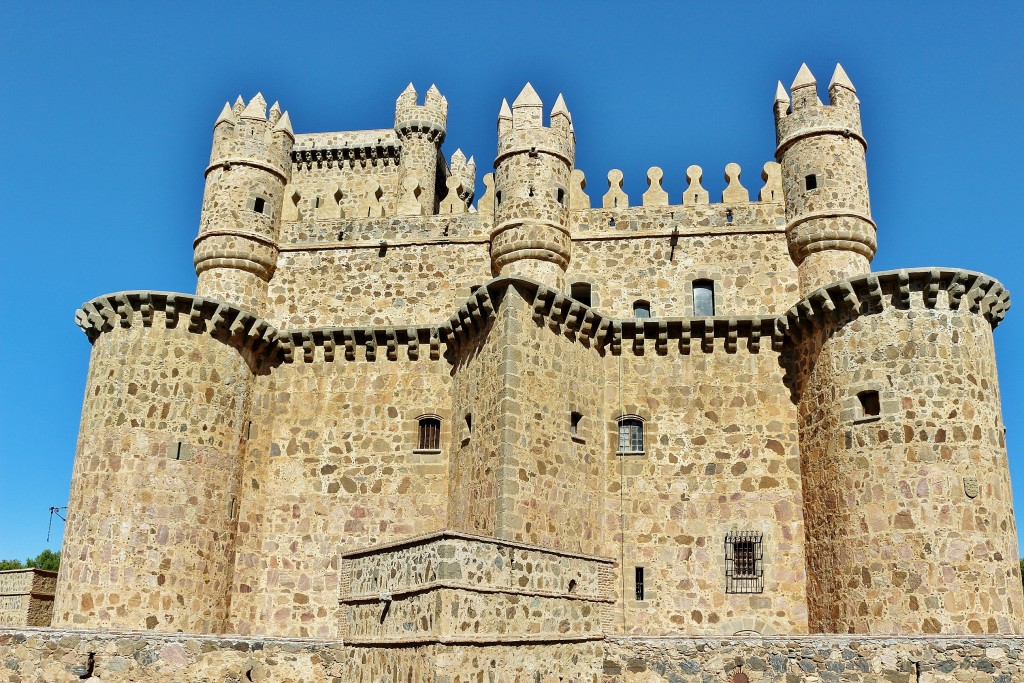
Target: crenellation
526, 438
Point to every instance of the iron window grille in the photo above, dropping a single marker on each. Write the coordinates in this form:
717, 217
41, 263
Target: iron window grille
744, 562
430, 434
631, 435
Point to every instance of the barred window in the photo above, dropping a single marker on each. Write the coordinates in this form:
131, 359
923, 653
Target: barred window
631, 435
430, 434
744, 562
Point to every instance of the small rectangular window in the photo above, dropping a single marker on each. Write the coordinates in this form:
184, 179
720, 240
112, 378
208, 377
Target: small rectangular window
259, 204
638, 582
641, 309
744, 562
870, 406
574, 423
703, 298
631, 435
810, 182
430, 434
580, 291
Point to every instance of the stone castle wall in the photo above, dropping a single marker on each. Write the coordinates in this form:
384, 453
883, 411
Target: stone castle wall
60, 656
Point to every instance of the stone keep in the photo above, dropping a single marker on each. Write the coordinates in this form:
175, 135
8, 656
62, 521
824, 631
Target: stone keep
685, 418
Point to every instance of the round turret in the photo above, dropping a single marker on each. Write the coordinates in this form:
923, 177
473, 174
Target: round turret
907, 499
821, 150
531, 183
149, 541
421, 129
236, 250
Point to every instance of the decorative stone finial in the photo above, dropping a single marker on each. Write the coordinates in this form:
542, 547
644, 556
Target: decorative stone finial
804, 78
256, 109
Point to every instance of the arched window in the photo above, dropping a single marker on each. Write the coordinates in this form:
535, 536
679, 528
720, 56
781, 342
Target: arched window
631, 435
429, 433
703, 297
641, 308
580, 291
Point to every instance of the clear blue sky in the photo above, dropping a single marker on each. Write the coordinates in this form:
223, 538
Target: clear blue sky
108, 110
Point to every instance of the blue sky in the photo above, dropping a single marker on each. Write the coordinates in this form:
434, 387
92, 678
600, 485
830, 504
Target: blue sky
108, 110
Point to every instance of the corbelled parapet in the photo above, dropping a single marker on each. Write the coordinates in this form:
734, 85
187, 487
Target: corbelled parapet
250, 165
230, 324
824, 176
531, 181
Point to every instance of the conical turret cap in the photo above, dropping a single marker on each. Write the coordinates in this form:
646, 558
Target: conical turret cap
840, 78
804, 78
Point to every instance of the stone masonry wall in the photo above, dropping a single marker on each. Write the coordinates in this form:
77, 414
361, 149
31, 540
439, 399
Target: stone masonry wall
61, 656
334, 467
26, 597
720, 455
149, 540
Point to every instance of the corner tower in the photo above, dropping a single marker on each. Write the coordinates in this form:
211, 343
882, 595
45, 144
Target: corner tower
824, 176
421, 128
531, 199
236, 251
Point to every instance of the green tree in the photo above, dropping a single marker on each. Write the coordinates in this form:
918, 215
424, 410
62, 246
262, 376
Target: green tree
45, 560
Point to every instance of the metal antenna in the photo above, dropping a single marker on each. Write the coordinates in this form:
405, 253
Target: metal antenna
54, 511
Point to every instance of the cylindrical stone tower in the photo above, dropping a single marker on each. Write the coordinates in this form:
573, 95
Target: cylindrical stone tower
531, 190
236, 251
421, 128
149, 539
907, 499
824, 176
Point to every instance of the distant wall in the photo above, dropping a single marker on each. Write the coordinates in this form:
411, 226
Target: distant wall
26, 597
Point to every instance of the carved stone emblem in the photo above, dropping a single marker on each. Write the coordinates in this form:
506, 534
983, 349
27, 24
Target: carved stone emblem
971, 487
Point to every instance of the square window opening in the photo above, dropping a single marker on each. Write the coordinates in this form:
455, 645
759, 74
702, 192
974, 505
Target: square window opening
641, 309
259, 205
870, 406
811, 182
581, 291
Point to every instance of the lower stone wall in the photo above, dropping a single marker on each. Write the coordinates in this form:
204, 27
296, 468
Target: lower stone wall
815, 659
59, 656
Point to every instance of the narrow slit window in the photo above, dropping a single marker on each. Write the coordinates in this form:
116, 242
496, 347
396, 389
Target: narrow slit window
641, 309
744, 562
469, 423
638, 582
429, 434
259, 205
810, 182
631, 435
703, 298
870, 406
560, 196
581, 291
574, 423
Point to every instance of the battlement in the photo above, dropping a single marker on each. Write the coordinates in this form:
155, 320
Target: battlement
246, 134
521, 128
804, 114
429, 118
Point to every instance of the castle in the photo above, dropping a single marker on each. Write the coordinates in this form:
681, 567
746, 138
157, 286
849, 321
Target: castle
393, 417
